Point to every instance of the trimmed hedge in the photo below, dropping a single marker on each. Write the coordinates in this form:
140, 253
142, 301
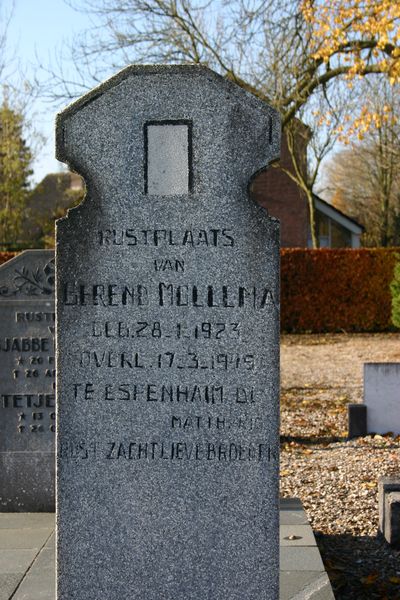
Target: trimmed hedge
5, 256
331, 290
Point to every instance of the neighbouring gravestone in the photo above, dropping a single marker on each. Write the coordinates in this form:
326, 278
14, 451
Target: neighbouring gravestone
389, 508
381, 397
357, 420
27, 381
168, 343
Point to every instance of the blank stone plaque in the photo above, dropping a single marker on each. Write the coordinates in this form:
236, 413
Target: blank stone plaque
167, 158
167, 344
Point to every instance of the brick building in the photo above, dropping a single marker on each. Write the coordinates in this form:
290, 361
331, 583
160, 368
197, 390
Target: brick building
282, 198
272, 188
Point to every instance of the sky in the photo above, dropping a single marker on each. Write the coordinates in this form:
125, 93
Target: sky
39, 28
38, 32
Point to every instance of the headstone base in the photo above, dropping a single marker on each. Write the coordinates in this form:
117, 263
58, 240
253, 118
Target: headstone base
27, 481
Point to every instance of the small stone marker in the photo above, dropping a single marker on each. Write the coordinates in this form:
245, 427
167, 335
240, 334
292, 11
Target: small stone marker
389, 509
382, 397
357, 420
168, 343
392, 520
27, 380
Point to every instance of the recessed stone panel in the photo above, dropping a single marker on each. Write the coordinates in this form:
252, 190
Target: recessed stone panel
168, 158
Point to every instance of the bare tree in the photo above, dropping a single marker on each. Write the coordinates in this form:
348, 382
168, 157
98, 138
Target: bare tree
6, 58
302, 135
266, 46
364, 179
14, 87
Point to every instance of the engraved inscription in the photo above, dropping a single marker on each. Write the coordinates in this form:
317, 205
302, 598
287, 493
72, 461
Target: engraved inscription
155, 329
167, 360
180, 450
27, 397
167, 238
167, 295
167, 393
169, 265
137, 350
151, 451
190, 422
24, 344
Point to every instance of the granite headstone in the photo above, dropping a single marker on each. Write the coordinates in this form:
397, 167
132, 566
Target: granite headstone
27, 381
167, 343
381, 397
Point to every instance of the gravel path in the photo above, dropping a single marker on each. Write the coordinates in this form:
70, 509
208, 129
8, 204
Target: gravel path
336, 478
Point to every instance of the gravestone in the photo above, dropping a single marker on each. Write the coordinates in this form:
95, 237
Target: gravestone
27, 381
381, 397
168, 343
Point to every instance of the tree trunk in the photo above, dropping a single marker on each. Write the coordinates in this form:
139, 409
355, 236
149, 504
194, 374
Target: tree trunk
385, 221
313, 222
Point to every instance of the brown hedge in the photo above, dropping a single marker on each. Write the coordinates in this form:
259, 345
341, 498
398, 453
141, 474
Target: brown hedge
330, 290
4, 256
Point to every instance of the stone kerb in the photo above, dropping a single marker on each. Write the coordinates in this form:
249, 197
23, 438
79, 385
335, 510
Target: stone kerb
168, 343
27, 381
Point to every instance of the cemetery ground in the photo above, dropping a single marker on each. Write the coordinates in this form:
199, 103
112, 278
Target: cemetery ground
336, 478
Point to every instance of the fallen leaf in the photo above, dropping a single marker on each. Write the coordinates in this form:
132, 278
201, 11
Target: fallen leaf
370, 579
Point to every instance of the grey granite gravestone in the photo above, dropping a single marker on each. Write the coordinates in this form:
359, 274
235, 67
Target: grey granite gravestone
27, 381
167, 343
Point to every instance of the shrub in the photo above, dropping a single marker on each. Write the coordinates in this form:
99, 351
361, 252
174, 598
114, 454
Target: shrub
330, 290
395, 291
4, 256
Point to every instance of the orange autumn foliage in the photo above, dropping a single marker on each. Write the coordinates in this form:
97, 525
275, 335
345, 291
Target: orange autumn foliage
358, 33
354, 38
